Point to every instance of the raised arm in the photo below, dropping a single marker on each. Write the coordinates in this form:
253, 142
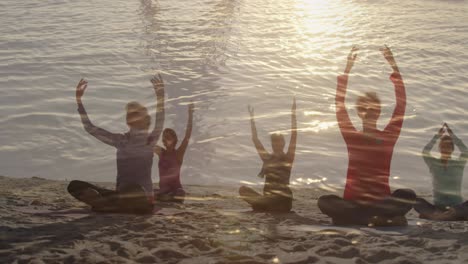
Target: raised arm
457, 141
188, 134
99, 133
396, 122
345, 124
258, 145
292, 143
158, 86
426, 152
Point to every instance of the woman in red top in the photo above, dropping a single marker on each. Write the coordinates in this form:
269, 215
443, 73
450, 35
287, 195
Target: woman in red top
367, 190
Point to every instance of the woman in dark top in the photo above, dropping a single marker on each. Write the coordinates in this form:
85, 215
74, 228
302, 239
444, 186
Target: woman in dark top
170, 162
134, 188
277, 196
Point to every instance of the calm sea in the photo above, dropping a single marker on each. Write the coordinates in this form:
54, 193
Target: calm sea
224, 55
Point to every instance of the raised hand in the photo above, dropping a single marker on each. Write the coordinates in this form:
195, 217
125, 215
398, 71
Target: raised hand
351, 59
441, 130
293, 108
387, 53
191, 108
251, 111
158, 83
80, 88
448, 129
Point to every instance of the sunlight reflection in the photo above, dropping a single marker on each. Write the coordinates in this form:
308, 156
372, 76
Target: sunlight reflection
208, 140
313, 113
317, 125
193, 198
308, 181
250, 183
314, 12
236, 231
329, 188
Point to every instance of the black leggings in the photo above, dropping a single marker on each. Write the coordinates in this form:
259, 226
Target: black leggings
130, 199
267, 203
429, 211
349, 212
176, 196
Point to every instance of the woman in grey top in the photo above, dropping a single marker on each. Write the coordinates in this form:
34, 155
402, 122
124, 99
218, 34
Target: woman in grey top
134, 189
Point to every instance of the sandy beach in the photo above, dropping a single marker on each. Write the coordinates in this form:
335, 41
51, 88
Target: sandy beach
41, 223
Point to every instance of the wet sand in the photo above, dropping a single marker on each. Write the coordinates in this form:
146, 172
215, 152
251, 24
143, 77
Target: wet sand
41, 223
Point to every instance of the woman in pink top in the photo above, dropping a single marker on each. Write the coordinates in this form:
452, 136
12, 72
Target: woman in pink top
170, 162
367, 195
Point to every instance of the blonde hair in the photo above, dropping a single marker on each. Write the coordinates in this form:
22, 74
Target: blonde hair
137, 116
367, 98
277, 137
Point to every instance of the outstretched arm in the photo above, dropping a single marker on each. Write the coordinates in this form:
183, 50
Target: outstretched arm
461, 146
188, 134
345, 124
396, 122
292, 143
158, 86
426, 152
258, 145
99, 133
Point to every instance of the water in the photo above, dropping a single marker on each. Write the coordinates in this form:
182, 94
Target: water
224, 55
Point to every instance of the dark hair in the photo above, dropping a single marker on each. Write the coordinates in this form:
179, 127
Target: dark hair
170, 132
446, 138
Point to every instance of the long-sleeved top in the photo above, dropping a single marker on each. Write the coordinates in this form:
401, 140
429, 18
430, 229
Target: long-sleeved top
134, 153
446, 180
369, 157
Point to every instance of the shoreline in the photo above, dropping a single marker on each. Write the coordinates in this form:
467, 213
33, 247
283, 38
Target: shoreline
40, 222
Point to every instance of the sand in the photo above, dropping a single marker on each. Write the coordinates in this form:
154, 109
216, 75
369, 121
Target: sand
41, 223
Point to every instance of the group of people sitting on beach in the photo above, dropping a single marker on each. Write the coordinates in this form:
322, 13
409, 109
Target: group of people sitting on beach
367, 198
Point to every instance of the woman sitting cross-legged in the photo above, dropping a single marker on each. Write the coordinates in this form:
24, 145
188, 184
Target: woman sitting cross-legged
367, 197
134, 189
171, 158
447, 175
277, 196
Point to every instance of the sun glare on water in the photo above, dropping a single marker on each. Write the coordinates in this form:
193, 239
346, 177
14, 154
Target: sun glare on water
315, 16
